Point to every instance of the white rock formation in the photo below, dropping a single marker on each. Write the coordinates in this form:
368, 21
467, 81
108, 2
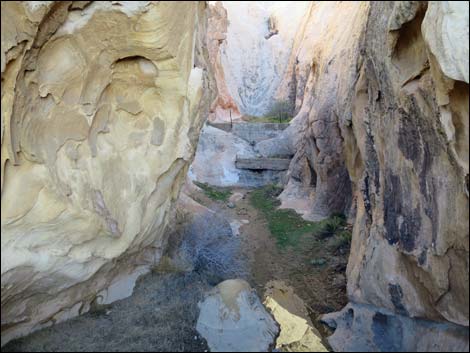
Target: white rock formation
445, 29
214, 162
254, 58
218, 150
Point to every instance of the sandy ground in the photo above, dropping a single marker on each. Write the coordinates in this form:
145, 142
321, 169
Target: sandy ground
161, 314
323, 288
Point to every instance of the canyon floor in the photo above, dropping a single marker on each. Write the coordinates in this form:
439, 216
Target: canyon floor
161, 314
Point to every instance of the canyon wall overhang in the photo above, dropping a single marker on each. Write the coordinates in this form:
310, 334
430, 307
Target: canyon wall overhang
102, 103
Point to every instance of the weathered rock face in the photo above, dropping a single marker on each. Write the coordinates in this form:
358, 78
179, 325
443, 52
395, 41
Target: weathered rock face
258, 45
326, 43
102, 103
224, 107
218, 150
387, 99
364, 328
413, 198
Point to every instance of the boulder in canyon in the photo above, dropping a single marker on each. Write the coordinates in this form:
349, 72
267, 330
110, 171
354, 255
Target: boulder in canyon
232, 319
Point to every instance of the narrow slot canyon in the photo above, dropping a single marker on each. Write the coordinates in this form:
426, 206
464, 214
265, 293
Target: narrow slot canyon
246, 176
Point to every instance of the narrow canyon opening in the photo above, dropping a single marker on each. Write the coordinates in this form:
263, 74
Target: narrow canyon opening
235, 176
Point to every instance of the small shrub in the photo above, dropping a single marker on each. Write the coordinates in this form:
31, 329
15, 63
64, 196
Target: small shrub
209, 245
281, 111
331, 225
342, 240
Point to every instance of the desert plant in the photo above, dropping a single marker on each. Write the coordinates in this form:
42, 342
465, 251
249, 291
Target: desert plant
342, 240
331, 226
212, 249
281, 111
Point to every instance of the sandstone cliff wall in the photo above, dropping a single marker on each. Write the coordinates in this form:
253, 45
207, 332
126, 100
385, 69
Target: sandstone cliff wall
259, 39
102, 103
410, 121
224, 107
386, 91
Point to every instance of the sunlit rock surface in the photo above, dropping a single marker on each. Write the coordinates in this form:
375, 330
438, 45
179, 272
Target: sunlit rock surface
101, 108
445, 29
297, 333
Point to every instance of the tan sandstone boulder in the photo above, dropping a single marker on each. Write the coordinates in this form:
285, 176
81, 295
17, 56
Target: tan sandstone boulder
297, 333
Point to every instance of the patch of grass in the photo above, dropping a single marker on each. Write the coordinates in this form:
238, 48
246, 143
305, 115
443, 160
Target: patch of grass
265, 198
213, 192
267, 119
287, 226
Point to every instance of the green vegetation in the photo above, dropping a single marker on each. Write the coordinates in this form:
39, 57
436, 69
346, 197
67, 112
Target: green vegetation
280, 112
213, 192
288, 227
331, 226
342, 240
266, 119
